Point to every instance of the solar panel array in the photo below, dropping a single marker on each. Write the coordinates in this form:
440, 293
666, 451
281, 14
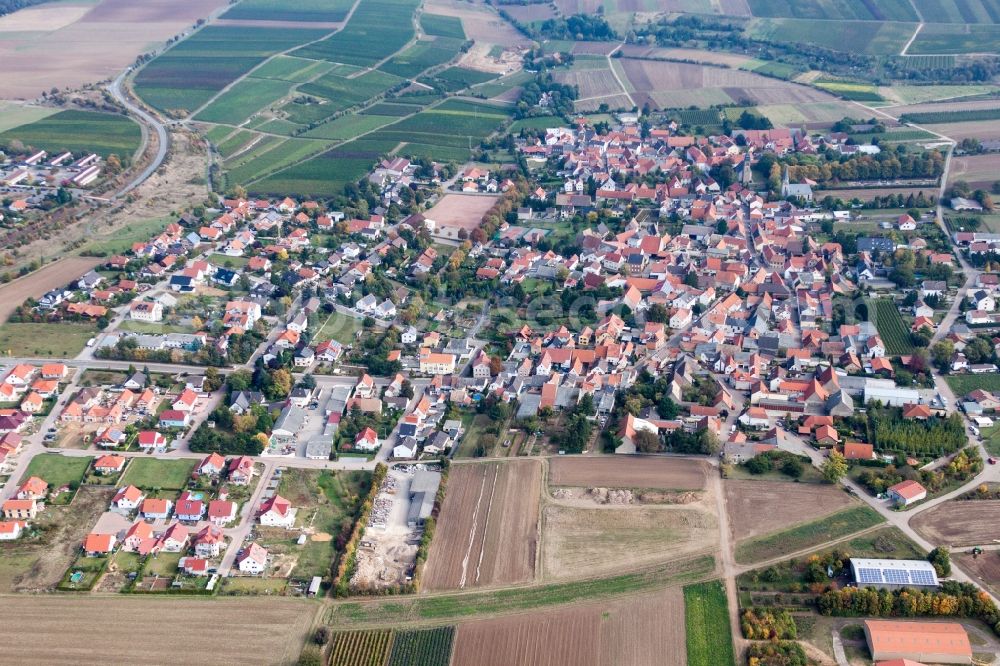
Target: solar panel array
893, 576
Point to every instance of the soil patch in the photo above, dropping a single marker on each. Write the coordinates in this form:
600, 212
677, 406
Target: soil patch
762, 507
960, 523
637, 472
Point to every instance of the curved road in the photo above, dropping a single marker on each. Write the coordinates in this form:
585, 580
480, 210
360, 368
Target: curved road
161, 133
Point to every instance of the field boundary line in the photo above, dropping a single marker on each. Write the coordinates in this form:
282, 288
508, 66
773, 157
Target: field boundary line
472, 534
486, 523
743, 568
906, 46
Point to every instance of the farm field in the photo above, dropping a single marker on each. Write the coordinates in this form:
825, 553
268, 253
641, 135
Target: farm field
639, 631
58, 340
14, 114
680, 85
979, 171
867, 193
924, 94
952, 11
243, 100
422, 55
376, 30
489, 519
692, 55
594, 541
963, 384
520, 598
813, 114
889, 10
52, 275
38, 564
62, 628
891, 328
429, 647
479, 22
985, 569
984, 129
442, 26
188, 75
835, 526
706, 620
149, 473
866, 36
960, 523
79, 131
99, 37
957, 39
274, 10
952, 116
788, 503
360, 648
627, 472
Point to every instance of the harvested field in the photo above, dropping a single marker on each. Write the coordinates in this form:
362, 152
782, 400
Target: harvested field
678, 85
613, 102
952, 106
594, 48
787, 504
593, 541
639, 631
56, 274
487, 531
693, 55
960, 523
464, 211
979, 129
628, 472
599, 82
812, 115
75, 629
979, 171
126, 29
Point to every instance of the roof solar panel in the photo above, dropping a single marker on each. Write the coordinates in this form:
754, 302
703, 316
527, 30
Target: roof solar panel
922, 577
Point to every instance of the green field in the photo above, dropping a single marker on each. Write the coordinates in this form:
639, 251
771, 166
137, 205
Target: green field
957, 39
883, 10
289, 68
893, 331
932, 117
79, 131
15, 114
963, 384
859, 92
360, 648
57, 470
349, 127
258, 165
377, 29
427, 647
56, 340
706, 623
121, 241
442, 26
807, 535
422, 55
440, 607
959, 11
873, 37
235, 143
189, 74
243, 100
149, 473
301, 10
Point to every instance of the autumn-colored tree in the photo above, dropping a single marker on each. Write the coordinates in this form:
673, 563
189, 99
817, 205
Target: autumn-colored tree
835, 467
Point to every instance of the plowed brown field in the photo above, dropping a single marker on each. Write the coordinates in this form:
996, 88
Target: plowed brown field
639, 631
628, 472
960, 523
487, 531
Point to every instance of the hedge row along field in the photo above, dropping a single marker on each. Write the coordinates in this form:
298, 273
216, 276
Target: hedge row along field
387, 647
706, 621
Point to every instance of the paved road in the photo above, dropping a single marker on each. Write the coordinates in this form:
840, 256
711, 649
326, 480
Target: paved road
163, 139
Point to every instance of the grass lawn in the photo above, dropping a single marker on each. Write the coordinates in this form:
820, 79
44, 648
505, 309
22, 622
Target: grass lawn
963, 384
325, 500
473, 431
62, 340
58, 470
90, 567
339, 327
163, 564
991, 440
803, 536
154, 328
440, 607
153, 473
706, 620
127, 562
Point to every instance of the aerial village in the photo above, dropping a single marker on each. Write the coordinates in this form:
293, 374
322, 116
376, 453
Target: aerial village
640, 293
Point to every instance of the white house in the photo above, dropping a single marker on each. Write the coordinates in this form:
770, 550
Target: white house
252, 560
277, 512
149, 311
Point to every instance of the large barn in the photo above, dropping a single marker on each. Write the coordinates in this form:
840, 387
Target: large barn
893, 574
932, 642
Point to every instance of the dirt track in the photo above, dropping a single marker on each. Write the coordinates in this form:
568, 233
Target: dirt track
54, 275
155, 630
487, 531
628, 472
